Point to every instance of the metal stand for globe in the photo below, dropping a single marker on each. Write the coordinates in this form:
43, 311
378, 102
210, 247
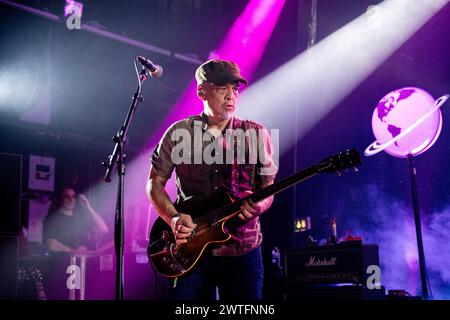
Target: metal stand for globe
415, 198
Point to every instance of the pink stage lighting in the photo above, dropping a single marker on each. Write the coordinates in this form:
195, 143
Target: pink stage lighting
73, 7
244, 44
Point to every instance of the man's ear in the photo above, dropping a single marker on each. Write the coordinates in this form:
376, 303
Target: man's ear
201, 93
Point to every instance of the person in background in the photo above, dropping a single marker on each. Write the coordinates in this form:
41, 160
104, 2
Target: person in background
72, 224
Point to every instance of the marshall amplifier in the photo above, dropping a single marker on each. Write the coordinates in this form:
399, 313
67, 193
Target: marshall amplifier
346, 262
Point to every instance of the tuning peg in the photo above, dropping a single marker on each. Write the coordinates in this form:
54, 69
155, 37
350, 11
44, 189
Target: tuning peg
338, 173
355, 169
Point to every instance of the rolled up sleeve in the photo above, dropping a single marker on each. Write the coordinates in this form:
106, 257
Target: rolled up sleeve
267, 165
161, 157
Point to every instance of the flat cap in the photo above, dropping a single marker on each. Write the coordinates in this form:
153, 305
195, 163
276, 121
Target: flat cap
218, 72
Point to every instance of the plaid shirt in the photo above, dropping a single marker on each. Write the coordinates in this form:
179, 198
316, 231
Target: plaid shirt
196, 178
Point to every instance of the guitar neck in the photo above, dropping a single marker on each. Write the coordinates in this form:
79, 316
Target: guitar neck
282, 184
234, 207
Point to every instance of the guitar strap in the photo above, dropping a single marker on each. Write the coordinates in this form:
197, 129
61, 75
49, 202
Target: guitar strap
236, 169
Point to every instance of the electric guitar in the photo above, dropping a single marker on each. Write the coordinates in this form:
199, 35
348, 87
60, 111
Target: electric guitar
214, 214
34, 274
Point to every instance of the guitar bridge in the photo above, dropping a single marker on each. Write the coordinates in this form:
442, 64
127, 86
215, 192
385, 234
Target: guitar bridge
214, 224
175, 254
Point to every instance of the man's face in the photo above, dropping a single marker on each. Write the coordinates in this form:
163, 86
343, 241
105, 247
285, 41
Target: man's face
69, 199
221, 100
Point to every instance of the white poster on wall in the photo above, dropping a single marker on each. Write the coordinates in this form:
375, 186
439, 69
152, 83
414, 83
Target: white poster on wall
42, 173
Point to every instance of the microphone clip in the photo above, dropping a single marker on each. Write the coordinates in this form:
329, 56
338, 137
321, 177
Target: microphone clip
149, 69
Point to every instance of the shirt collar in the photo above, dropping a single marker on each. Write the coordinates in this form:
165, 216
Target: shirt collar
204, 120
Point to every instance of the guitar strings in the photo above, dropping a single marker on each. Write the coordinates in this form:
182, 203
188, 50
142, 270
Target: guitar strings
258, 194
282, 183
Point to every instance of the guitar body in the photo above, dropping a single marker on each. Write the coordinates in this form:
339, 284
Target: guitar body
172, 260
215, 214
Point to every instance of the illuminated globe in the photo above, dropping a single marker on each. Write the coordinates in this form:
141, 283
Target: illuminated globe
406, 121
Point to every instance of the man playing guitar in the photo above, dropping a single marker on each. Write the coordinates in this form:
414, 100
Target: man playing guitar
232, 265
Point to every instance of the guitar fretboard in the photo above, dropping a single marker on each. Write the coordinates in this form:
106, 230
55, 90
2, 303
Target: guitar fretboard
234, 207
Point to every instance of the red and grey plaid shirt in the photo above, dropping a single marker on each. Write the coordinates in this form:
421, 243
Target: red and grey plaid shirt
196, 178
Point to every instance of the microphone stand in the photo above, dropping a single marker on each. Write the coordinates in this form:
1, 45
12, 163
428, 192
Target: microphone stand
118, 157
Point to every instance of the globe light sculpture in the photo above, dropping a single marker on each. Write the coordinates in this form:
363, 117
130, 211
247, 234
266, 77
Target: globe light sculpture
407, 122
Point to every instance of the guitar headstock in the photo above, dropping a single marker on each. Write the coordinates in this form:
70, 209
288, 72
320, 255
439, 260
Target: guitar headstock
343, 160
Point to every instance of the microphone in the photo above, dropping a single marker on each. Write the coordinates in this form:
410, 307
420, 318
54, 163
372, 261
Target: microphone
155, 70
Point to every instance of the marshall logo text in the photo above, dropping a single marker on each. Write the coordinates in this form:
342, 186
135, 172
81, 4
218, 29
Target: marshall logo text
313, 262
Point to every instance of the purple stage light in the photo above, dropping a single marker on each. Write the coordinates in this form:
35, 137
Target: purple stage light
73, 7
244, 44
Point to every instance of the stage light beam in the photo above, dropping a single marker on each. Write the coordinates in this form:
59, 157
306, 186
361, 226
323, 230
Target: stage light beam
321, 77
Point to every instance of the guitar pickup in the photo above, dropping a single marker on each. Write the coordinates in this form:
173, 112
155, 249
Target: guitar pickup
213, 225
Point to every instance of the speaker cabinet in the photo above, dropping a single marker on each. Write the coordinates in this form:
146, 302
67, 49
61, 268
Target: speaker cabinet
9, 246
10, 190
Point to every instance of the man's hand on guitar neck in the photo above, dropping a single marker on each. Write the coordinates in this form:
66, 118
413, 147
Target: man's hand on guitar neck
182, 227
251, 209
